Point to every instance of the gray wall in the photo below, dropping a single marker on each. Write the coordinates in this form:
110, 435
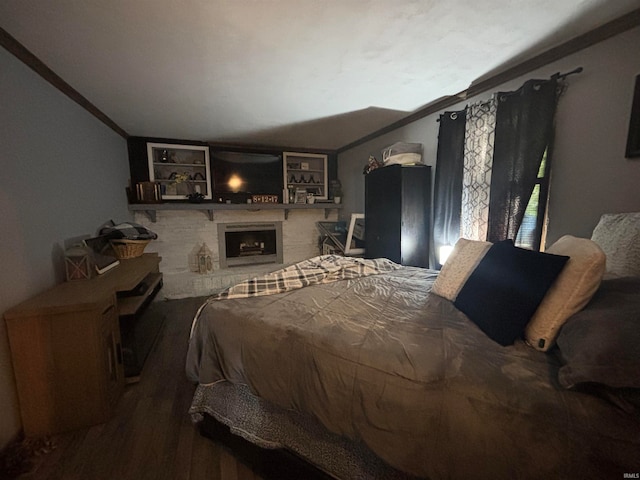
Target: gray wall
590, 175
63, 173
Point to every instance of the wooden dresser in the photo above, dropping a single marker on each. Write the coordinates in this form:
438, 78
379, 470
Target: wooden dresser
66, 349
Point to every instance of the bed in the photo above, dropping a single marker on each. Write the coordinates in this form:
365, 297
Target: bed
368, 369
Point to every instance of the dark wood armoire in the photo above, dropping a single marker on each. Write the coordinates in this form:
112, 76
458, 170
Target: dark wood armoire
397, 214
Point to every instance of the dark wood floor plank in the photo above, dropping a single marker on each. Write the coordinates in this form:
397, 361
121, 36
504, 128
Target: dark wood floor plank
244, 472
181, 469
228, 466
205, 461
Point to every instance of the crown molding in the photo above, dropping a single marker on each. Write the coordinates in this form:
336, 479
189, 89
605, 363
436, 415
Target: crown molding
24, 55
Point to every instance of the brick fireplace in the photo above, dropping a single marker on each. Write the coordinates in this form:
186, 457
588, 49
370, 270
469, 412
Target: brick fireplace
182, 233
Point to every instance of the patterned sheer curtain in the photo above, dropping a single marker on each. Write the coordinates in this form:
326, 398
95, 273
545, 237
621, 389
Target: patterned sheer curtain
478, 163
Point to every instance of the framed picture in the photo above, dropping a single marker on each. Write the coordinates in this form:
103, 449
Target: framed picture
301, 196
633, 138
354, 244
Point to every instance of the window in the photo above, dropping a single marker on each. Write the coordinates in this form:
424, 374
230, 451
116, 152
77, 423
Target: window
531, 230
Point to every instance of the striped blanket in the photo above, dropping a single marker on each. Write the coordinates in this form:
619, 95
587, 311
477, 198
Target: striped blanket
321, 269
316, 270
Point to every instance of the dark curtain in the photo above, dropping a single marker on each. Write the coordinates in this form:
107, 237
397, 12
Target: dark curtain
448, 180
524, 126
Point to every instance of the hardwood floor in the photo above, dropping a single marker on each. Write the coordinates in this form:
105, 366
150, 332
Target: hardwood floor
151, 435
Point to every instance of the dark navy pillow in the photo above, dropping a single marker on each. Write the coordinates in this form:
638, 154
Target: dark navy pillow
504, 291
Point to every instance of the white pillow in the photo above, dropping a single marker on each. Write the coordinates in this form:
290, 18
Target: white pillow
618, 234
463, 260
571, 291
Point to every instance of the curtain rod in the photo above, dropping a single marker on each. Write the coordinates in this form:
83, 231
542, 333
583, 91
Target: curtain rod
555, 76
563, 75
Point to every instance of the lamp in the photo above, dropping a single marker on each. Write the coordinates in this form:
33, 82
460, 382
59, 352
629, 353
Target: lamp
443, 253
77, 262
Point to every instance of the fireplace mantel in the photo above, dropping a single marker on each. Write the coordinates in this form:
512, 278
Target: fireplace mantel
151, 208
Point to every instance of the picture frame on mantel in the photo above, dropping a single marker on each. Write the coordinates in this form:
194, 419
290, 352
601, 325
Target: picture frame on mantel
633, 138
355, 232
301, 195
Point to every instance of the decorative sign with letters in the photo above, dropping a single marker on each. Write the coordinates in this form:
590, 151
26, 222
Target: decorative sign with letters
264, 198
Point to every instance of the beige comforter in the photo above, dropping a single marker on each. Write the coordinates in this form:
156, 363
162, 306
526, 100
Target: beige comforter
378, 358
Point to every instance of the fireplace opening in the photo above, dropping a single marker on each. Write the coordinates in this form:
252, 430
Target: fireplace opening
249, 243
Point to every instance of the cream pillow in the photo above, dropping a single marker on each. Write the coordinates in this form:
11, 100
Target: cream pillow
463, 260
571, 291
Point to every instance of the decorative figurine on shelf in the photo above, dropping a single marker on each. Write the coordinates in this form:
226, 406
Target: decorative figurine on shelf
194, 194
372, 164
195, 197
335, 189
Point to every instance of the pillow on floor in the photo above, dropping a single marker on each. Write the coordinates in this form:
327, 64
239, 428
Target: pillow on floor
505, 289
463, 260
572, 290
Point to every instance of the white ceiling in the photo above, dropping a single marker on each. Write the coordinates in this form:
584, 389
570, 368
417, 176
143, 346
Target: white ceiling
300, 73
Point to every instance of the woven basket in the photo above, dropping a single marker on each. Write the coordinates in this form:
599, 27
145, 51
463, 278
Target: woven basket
124, 249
